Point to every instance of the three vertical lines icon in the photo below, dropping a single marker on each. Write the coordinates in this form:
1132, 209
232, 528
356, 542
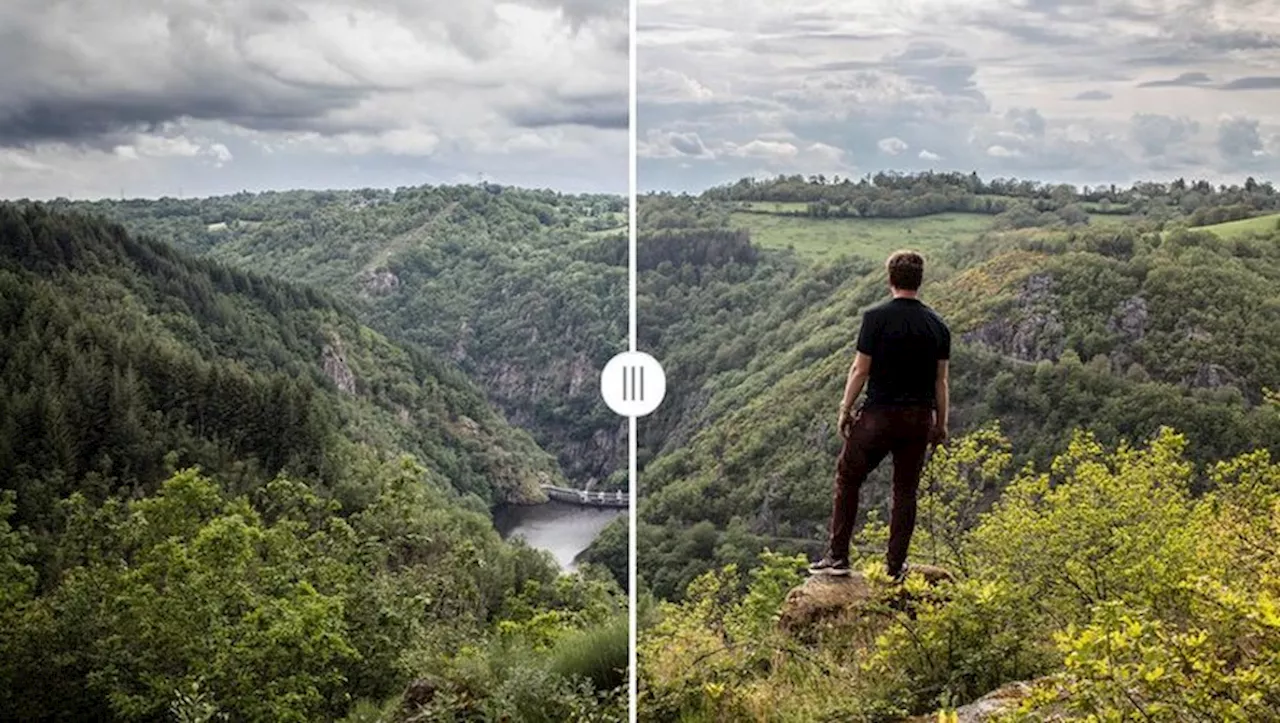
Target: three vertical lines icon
633, 382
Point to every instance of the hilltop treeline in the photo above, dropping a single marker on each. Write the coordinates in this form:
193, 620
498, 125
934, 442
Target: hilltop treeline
895, 195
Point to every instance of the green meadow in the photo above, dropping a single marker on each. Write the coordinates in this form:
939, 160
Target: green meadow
829, 238
1245, 226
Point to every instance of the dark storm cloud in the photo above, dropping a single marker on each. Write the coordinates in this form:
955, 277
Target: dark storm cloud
100, 120
203, 65
1186, 79
1255, 82
604, 110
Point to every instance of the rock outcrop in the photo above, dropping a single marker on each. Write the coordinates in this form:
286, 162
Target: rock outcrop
1129, 319
334, 359
858, 603
1031, 332
997, 703
379, 282
829, 601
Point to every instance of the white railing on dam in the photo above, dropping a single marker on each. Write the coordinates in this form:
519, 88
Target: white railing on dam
590, 499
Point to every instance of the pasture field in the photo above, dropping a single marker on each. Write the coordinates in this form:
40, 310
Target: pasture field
1244, 227
830, 238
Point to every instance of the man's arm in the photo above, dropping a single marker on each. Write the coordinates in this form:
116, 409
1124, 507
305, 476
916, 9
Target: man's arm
859, 371
942, 392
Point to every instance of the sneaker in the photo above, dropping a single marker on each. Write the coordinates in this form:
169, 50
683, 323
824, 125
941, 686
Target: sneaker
901, 576
829, 566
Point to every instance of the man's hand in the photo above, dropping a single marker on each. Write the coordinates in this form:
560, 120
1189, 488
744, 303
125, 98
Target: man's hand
938, 433
845, 423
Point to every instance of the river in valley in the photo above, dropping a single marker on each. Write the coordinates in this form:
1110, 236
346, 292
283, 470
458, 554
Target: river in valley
562, 529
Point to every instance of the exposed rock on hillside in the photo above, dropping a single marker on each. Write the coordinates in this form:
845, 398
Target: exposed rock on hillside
1032, 331
381, 281
1129, 319
1001, 701
334, 358
1211, 376
524, 394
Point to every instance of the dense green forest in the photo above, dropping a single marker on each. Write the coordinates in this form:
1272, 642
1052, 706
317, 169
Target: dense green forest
226, 498
1110, 312
525, 290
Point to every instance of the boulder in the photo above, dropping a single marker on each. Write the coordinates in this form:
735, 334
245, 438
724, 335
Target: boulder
999, 702
827, 600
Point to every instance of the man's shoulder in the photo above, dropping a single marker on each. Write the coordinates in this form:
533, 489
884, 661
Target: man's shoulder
878, 309
933, 314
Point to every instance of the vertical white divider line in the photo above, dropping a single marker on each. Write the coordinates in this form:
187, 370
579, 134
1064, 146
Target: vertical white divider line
631, 431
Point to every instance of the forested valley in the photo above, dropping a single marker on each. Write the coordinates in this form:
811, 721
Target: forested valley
1108, 501
524, 290
233, 496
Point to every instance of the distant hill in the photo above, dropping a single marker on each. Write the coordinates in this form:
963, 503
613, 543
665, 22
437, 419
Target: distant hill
525, 291
119, 350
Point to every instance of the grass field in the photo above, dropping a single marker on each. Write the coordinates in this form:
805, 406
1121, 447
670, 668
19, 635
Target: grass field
1244, 227
824, 239
775, 206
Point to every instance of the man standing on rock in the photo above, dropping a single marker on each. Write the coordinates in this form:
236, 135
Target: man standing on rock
903, 351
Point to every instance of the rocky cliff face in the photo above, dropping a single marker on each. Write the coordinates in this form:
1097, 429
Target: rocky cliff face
588, 452
1032, 331
334, 359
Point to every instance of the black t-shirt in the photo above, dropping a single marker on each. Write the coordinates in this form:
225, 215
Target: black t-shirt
905, 340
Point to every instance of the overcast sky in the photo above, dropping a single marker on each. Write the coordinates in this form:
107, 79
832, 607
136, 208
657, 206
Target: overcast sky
1064, 90
161, 97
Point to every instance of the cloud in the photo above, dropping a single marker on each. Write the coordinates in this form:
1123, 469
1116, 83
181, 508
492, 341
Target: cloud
667, 144
892, 146
1239, 140
1027, 121
1158, 134
1256, 82
767, 150
927, 155
1183, 80
1039, 88
424, 79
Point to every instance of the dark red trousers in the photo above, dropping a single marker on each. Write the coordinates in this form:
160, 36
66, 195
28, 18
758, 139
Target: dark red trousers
877, 432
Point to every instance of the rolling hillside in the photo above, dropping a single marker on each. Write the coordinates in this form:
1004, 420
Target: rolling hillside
525, 291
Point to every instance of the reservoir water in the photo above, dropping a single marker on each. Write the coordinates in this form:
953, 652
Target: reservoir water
562, 529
